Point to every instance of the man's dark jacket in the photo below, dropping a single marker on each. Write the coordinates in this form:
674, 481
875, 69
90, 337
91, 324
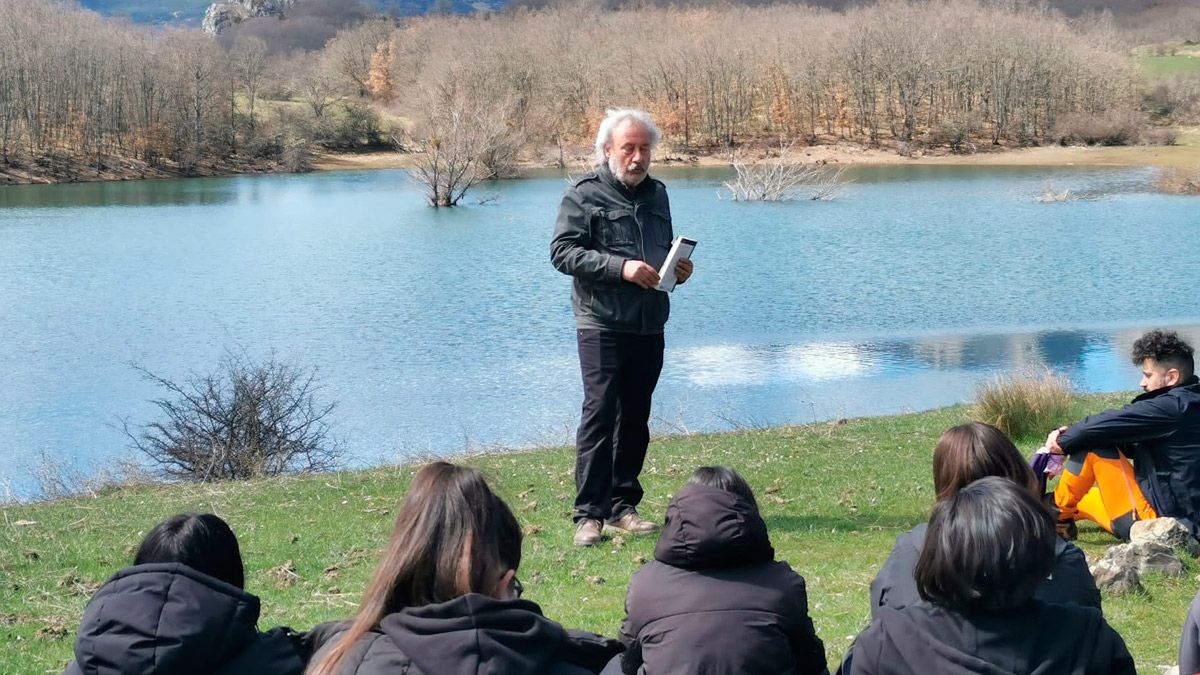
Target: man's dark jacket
895, 587
471, 635
602, 224
1038, 639
169, 619
1160, 432
714, 601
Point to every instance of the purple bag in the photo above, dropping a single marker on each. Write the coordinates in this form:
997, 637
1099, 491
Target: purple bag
1045, 466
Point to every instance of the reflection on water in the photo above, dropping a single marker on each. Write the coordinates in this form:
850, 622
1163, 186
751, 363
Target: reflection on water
820, 380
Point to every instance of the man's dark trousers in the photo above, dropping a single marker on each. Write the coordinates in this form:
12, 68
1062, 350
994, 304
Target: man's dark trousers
620, 371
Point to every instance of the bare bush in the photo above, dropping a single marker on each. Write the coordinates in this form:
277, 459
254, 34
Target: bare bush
784, 181
247, 419
1110, 127
1024, 405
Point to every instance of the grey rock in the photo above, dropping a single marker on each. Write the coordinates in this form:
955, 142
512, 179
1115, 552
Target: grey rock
1157, 558
1145, 557
1166, 531
225, 13
1114, 579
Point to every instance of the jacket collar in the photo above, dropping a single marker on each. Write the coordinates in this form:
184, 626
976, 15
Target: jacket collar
1189, 382
608, 177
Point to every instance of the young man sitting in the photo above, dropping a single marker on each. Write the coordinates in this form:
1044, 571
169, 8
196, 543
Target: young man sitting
1159, 432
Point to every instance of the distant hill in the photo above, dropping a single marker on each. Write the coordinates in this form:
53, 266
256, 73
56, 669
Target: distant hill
189, 12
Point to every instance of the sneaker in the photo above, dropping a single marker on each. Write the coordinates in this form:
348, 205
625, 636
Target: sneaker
587, 532
632, 523
1067, 529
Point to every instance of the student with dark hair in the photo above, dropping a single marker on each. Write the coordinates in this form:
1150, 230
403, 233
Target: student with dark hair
714, 600
445, 596
963, 454
989, 547
1189, 640
182, 610
1159, 432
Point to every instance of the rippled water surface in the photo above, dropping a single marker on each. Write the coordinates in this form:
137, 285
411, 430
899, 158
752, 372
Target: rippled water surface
444, 330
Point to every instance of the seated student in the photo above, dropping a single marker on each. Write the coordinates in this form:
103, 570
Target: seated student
1189, 641
181, 610
988, 548
964, 454
445, 596
714, 600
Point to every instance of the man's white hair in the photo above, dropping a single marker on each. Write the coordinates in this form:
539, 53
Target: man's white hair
613, 118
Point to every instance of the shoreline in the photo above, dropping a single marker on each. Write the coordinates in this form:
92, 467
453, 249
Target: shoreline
1184, 153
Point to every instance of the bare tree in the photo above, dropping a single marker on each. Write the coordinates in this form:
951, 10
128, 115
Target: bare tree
450, 164
784, 181
246, 419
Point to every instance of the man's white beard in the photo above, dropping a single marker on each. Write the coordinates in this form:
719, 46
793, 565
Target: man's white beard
623, 176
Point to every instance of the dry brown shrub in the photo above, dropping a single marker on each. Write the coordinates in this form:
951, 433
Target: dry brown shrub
1024, 405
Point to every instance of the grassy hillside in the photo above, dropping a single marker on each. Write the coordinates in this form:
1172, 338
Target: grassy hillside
835, 496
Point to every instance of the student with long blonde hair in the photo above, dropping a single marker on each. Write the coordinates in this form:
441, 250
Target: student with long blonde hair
445, 596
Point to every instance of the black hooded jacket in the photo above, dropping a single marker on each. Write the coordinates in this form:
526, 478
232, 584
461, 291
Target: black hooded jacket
1160, 432
169, 619
472, 635
1039, 639
714, 601
895, 587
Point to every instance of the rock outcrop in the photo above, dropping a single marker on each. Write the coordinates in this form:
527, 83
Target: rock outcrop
1153, 548
222, 15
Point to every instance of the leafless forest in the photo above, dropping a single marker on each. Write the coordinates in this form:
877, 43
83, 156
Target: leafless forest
80, 93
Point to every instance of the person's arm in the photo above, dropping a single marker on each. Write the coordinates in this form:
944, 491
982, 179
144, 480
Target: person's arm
1138, 421
1071, 580
571, 249
631, 658
807, 648
1189, 641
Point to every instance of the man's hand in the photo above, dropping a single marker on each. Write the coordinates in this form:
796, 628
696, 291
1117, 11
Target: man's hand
638, 272
683, 270
1052, 441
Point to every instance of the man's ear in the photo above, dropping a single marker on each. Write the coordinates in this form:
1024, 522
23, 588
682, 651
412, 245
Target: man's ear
1173, 377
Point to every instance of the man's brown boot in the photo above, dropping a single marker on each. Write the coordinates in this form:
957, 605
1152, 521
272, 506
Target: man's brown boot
587, 532
632, 523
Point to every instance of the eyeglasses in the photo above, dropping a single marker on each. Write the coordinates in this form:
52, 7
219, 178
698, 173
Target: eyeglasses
517, 587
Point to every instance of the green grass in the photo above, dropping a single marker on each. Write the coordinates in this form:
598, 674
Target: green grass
1156, 67
835, 496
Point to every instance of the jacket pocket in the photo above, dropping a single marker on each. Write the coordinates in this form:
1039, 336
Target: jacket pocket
661, 227
617, 229
614, 304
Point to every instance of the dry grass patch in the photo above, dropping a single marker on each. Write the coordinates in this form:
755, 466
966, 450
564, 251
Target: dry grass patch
1025, 405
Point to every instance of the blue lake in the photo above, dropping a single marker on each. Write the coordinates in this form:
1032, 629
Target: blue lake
443, 331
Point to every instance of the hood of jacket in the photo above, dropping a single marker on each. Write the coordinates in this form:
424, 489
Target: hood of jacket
707, 527
164, 618
475, 634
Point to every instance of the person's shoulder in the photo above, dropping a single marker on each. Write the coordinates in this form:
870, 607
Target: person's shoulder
374, 653
585, 179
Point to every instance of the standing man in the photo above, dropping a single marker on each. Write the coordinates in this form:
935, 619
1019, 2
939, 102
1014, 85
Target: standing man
612, 235
1159, 431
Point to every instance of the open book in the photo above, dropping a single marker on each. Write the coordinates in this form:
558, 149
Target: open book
681, 248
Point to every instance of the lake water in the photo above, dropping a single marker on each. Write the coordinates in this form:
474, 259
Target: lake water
441, 331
